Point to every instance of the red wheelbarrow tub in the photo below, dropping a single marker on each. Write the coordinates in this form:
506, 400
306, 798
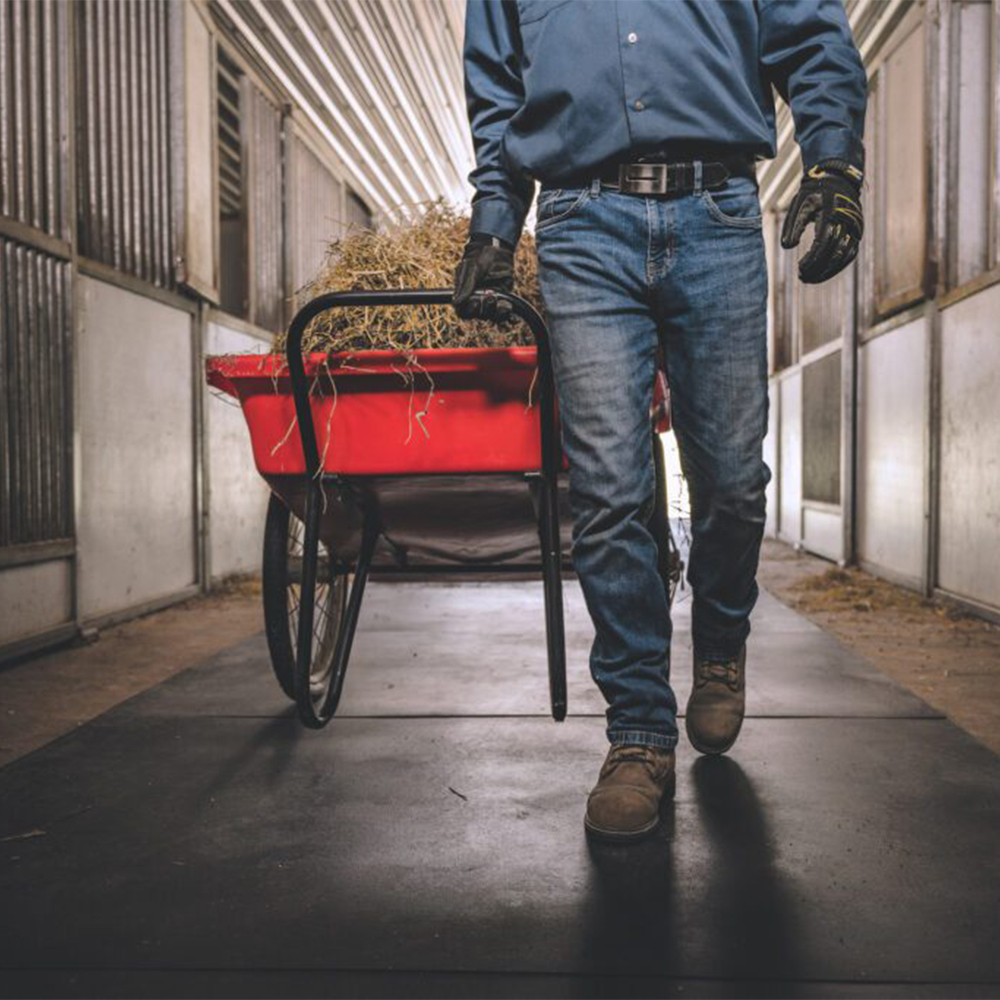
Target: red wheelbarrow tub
386, 412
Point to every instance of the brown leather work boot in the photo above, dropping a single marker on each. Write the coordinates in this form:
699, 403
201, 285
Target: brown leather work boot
633, 783
716, 705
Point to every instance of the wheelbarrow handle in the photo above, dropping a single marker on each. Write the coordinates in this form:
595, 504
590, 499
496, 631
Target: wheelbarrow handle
548, 524
551, 451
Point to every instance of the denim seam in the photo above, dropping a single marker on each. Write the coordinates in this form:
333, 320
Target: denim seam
640, 737
649, 240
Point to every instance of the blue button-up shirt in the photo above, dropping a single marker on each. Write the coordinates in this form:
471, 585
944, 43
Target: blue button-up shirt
556, 86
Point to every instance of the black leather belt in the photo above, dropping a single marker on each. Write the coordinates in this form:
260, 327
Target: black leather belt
655, 174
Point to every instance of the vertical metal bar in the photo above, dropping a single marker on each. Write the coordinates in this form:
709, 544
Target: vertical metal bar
6, 382
135, 70
66, 400
115, 133
57, 363
48, 376
100, 134
144, 187
251, 190
87, 191
36, 154
163, 118
6, 46
52, 119
157, 177
124, 132
21, 210
32, 374
19, 385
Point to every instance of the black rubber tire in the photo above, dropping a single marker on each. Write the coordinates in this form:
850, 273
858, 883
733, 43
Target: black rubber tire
279, 619
274, 580
669, 560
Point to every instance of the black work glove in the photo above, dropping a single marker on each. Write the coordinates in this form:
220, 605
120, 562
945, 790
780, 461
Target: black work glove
487, 265
830, 197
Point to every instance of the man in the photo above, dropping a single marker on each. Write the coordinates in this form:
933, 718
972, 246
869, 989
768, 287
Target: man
643, 122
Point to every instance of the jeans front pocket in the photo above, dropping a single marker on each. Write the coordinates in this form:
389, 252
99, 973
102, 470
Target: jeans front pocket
736, 204
556, 205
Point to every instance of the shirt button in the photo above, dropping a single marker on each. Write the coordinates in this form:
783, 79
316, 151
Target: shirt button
638, 105
633, 37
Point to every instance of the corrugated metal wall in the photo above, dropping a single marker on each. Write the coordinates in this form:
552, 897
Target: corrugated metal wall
263, 141
35, 490
123, 157
33, 114
314, 213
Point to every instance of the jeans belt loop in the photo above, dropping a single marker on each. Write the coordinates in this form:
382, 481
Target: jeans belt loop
697, 176
595, 186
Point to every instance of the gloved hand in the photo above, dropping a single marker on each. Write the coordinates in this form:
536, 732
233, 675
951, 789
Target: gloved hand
487, 265
829, 196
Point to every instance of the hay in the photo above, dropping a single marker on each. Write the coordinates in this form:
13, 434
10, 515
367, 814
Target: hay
419, 254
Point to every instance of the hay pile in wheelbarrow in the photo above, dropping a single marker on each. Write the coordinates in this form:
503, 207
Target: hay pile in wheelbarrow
420, 254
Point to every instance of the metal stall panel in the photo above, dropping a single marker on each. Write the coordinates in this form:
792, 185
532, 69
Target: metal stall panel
969, 492
136, 525
263, 142
34, 599
237, 495
35, 441
123, 177
194, 150
892, 421
901, 162
790, 502
34, 118
314, 215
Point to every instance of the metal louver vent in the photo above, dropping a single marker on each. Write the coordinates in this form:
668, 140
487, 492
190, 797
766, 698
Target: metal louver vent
230, 140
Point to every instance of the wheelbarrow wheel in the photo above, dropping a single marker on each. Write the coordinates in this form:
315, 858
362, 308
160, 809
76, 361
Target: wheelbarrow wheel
669, 559
282, 577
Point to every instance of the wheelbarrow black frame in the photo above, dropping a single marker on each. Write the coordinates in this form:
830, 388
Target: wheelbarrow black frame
543, 483
547, 508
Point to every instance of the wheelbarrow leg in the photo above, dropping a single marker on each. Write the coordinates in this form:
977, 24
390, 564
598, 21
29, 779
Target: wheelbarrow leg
307, 606
552, 575
345, 637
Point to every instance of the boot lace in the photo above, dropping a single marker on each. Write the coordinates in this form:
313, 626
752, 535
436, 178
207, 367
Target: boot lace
727, 672
623, 752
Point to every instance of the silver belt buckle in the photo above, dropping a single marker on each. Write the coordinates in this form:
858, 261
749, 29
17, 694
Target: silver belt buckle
642, 178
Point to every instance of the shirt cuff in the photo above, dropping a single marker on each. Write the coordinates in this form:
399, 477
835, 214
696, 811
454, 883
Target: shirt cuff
498, 216
834, 144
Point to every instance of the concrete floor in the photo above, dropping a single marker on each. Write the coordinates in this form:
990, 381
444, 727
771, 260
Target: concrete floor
195, 840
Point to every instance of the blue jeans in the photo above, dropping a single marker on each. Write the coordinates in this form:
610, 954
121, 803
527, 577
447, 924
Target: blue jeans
621, 274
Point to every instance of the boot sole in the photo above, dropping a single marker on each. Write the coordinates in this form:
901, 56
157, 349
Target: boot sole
630, 836
710, 751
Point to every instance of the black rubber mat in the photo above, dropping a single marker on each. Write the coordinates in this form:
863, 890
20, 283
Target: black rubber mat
197, 841
427, 649
833, 850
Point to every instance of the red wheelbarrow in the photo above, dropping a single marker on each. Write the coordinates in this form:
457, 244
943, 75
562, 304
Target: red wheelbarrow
431, 461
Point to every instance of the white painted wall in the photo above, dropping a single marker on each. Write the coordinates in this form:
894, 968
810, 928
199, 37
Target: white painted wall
969, 523
34, 599
237, 494
772, 459
790, 490
892, 420
136, 530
